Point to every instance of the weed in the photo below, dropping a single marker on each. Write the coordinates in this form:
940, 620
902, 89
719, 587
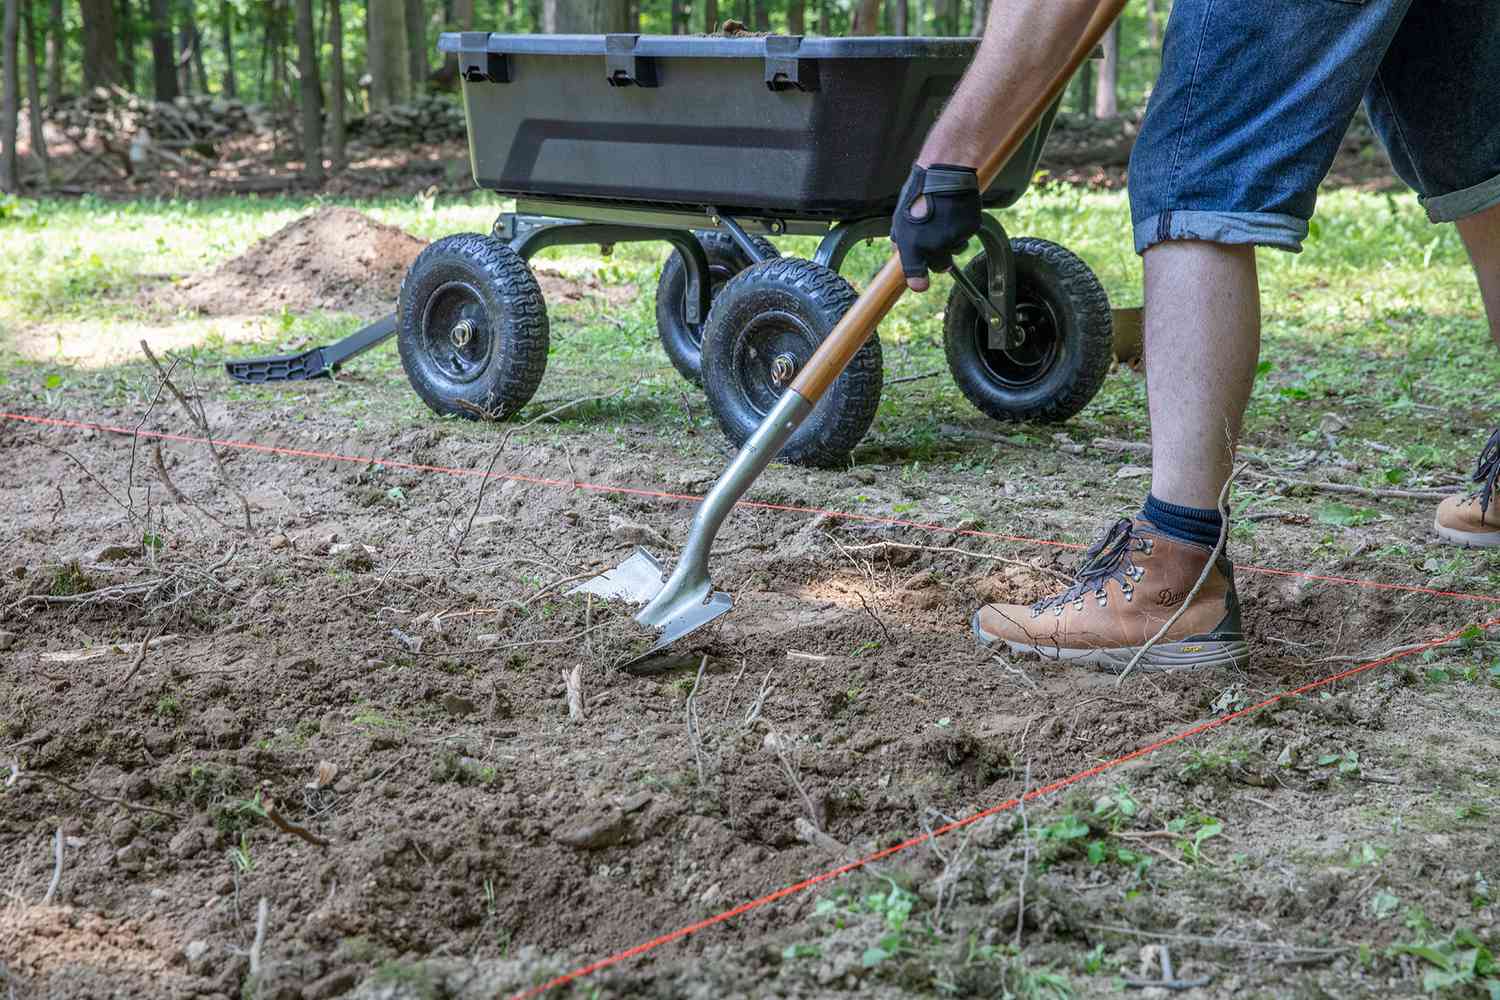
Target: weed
69, 580
168, 707
1462, 964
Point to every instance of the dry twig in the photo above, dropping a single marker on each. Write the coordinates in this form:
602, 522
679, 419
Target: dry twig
104, 798
262, 912
789, 768
573, 682
1025, 855
694, 727
963, 552
1359, 491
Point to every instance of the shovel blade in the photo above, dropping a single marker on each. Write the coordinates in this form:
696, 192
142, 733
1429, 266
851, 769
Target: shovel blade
690, 604
637, 580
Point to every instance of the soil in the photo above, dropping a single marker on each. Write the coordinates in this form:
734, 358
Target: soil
359, 663
332, 259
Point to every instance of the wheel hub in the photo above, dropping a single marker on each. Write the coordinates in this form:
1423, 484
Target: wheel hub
462, 332
783, 369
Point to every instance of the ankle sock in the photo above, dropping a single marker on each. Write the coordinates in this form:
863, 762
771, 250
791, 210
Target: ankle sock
1186, 524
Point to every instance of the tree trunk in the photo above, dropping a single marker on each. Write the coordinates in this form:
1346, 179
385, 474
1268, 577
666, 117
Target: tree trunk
226, 33
56, 49
163, 61
312, 94
101, 55
390, 64
710, 16
825, 24
460, 18
34, 96
1086, 87
981, 14
762, 16
1153, 24
866, 18
10, 174
336, 85
125, 18
416, 44
796, 17
896, 13
185, 51
585, 17
679, 18
1106, 96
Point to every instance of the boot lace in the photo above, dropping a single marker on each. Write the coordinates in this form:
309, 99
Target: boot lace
1487, 472
1110, 558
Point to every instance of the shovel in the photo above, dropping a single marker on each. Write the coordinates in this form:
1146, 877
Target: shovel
686, 601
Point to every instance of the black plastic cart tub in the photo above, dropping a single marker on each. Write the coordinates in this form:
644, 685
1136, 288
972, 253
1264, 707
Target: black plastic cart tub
791, 126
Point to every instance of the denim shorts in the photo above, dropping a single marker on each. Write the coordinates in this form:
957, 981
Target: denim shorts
1254, 98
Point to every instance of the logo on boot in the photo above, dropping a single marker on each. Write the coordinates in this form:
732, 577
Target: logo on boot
1167, 598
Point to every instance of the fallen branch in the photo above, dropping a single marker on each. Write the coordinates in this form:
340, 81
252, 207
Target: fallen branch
104, 798
915, 378
286, 826
262, 912
790, 770
90, 653
499, 448
140, 659
200, 419
1359, 491
694, 731
135, 435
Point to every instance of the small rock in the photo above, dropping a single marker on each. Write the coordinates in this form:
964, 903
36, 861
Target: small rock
1132, 472
113, 553
131, 855
122, 832
278, 541
632, 533
922, 600
331, 985
598, 827
187, 844
458, 705
413, 643
7, 639
223, 729
636, 802
195, 951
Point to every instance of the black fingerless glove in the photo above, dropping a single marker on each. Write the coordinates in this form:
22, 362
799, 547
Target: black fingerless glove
953, 215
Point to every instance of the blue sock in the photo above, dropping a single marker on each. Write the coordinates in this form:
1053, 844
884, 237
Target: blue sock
1186, 524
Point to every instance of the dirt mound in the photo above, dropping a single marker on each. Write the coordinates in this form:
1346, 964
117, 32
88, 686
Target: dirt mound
335, 259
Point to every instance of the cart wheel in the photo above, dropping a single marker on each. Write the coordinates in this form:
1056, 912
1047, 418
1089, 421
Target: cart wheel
683, 340
764, 326
472, 327
1064, 314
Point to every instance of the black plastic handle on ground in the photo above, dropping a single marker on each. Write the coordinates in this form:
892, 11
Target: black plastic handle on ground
317, 362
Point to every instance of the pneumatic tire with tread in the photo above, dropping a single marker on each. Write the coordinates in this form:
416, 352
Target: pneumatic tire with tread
785, 308
1070, 338
472, 327
683, 341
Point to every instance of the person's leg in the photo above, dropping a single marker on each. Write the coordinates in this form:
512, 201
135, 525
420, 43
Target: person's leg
1481, 235
1202, 343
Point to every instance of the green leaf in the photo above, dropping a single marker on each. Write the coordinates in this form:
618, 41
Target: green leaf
1396, 476
1328, 758
1067, 828
873, 957
53, 381
1098, 852
1428, 954
1342, 515
1384, 904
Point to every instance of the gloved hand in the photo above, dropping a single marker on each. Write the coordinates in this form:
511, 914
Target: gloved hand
952, 216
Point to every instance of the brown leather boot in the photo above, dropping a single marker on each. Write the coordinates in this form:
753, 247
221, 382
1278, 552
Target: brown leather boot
1474, 520
1132, 581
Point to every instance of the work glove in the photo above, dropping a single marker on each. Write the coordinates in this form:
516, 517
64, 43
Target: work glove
952, 217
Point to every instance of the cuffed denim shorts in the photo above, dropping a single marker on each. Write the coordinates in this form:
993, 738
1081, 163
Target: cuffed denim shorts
1254, 98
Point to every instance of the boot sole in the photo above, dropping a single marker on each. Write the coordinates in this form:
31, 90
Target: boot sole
1468, 539
1164, 657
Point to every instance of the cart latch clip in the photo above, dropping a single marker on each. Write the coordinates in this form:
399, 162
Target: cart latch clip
784, 70
622, 67
476, 63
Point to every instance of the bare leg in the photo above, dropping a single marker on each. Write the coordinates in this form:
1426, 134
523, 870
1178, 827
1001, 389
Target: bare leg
1481, 234
1202, 343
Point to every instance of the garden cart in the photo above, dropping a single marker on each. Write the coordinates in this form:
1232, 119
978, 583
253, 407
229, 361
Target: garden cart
715, 145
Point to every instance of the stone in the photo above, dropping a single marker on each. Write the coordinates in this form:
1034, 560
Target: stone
632, 533
224, 730
122, 832
596, 828
458, 705
7, 640
187, 844
335, 983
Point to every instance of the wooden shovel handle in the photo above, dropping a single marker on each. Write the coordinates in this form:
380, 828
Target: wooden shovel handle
830, 359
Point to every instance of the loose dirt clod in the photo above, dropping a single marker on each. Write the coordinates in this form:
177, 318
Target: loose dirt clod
333, 259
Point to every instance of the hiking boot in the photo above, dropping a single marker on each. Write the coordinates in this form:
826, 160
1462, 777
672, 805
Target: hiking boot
1132, 581
1474, 520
